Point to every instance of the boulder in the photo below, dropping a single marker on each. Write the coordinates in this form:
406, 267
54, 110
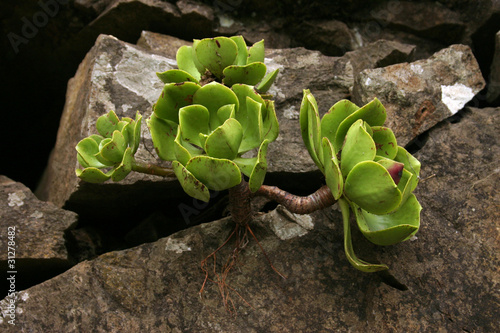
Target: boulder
449, 270
33, 235
420, 94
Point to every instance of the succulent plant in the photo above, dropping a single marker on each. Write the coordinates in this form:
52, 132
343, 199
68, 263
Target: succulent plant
205, 126
213, 121
205, 130
112, 149
365, 170
225, 59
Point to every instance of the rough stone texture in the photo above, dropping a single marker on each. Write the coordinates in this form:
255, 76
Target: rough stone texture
113, 76
40, 245
493, 93
331, 37
420, 94
450, 268
165, 45
426, 19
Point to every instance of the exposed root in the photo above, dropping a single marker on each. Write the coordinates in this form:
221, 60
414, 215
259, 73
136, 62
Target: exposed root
220, 279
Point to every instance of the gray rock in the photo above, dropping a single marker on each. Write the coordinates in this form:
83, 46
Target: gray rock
164, 45
493, 93
331, 37
429, 20
450, 268
113, 76
39, 225
33, 238
420, 94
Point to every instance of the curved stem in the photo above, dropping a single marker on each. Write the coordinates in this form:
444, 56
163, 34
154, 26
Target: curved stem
152, 169
320, 199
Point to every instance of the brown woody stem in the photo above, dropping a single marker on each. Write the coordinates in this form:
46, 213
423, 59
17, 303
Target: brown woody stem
239, 203
152, 169
320, 199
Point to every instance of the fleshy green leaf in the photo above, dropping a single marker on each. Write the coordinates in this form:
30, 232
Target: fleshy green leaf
411, 164
193, 120
136, 133
267, 81
182, 154
385, 141
241, 58
260, 168
107, 124
225, 112
373, 113
176, 76
225, 140
256, 52
87, 149
349, 251
216, 174
310, 127
370, 186
192, 186
213, 96
249, 74
124, 168
242, 91
270, 125
216, 54
173, 97
358, 147
246, 165
163, 133
252, 135
334, 117
333, 176
186, 62
391, 228
113, 151
93, 175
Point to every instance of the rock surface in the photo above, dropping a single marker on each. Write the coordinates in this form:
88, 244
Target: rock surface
420, 94
37, 244
450, 268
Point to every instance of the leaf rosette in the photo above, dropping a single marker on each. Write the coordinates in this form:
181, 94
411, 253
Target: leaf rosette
365, 169
109, 154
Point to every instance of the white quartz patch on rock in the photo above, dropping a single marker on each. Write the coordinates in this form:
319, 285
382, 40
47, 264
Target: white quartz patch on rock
456, 96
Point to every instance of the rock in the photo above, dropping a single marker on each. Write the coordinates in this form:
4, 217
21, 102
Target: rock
113, 76
165, 45
450, 269
332, 37
380, 54
493, 93
37, 244
429, 20
420, 94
